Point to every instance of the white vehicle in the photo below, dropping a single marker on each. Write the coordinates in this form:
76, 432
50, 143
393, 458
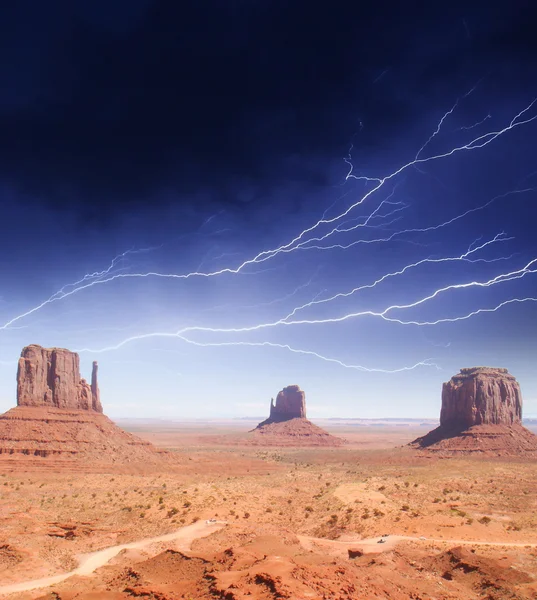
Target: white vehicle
210, 521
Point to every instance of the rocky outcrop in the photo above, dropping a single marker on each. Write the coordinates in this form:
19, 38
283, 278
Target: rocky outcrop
95, 394
481, 396
481, 413
287, 424
290, 404
59, 417
50, 377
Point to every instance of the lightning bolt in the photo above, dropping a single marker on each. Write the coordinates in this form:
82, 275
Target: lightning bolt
308, 239
498, 279
424, 363
477, 124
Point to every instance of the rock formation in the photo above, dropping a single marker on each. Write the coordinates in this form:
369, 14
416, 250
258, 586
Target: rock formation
287, 424
95, 395
290, 404
481, 412
50, 377
481, 396
60, 415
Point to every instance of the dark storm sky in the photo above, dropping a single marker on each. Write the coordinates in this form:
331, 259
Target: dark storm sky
108, 106
205, 132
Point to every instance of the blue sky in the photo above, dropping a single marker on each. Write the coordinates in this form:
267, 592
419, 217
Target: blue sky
121, 179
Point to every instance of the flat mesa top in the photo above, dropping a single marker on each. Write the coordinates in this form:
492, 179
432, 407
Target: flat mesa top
470, 372
53, 349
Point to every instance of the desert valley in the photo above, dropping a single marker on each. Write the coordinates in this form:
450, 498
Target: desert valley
281, 509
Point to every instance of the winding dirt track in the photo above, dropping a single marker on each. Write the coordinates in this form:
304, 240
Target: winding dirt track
90, 562
371, 545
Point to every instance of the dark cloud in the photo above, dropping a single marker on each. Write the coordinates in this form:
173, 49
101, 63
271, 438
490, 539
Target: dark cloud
110, 104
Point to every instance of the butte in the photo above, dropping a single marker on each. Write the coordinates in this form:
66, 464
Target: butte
287, 424
481, 414
59, 417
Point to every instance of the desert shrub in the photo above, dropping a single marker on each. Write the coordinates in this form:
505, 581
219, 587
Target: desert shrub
378, 513
407, 483
246, 515
469, 521
308, 509
484, 520
187, 504
195, 519
333, 519
161, 500
382, 488
142, 515
269, 510
446, 491
172, 512
405, 507
437, 500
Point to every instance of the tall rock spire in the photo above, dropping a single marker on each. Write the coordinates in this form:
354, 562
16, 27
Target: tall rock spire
95, 395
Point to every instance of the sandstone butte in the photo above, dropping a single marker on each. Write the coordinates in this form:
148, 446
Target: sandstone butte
287, 424
59, 414
481, 413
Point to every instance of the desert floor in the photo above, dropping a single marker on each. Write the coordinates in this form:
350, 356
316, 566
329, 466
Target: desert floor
303, 508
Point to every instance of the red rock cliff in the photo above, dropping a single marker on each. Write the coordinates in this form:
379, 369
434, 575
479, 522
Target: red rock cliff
481, 395
50, 377
290, 404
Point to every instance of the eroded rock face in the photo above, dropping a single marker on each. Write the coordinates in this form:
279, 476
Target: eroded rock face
95, 394
290, 404
50, 377
481, 396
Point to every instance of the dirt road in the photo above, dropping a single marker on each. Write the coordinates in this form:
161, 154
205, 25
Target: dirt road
186, 535
371, 545
90, 562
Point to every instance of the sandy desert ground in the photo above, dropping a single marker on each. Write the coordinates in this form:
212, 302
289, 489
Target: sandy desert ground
286, 520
